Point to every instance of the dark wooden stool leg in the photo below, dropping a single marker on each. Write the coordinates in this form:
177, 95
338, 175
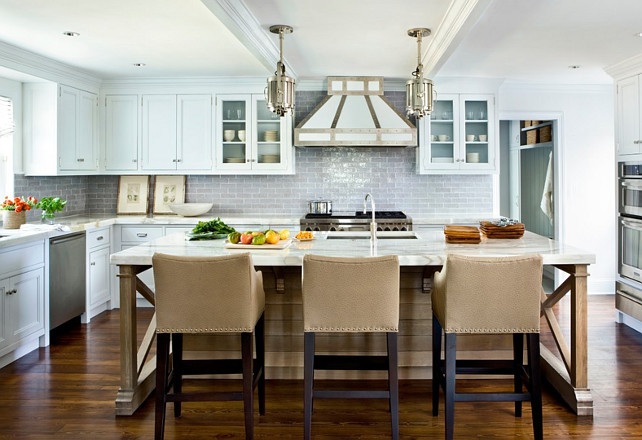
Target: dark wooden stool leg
518, 362
393, 383
260, 357
177, 365
248, 379
308, 384
162, 359
436, 364
449, 394
536, 384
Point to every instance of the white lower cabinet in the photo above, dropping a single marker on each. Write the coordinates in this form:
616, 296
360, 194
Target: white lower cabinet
22, 300
98, 292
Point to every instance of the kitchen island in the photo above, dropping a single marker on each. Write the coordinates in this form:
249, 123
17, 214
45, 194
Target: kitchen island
564, 364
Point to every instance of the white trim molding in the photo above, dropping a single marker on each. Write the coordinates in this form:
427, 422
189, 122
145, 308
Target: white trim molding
236, 16
21, 60
629, 67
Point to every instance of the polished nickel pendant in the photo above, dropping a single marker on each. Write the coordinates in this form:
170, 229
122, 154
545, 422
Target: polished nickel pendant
279, 92
418, 89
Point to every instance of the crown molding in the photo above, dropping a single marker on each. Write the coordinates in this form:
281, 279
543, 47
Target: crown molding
21, 60
239, 20
515, 86
458, 20
630, 66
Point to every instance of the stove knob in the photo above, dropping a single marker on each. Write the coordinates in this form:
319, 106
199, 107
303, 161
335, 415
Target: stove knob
333, 228
404, 228
395, 228
316, 229
307, 228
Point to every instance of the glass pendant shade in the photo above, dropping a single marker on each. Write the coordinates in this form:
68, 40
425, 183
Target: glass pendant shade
280, 94
419, 97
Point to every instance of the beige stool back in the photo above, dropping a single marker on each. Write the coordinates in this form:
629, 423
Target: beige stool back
350, 294
207, 294
489, 294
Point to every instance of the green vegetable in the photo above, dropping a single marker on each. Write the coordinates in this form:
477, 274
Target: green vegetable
217, 226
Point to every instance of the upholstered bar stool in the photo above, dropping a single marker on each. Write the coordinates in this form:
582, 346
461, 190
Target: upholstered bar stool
479, 295
208, 295
350, 295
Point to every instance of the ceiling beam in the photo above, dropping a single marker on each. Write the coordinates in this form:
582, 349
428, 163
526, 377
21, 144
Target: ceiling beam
239, 20
459, 19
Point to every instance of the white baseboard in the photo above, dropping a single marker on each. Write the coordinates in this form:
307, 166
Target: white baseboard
23, 349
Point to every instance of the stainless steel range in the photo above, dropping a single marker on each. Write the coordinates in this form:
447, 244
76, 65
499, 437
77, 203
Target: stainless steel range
356, 221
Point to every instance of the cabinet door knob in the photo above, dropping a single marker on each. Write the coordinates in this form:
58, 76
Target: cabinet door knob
134, 160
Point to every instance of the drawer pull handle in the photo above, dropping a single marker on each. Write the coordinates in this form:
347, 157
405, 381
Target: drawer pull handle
11, 292
93, 263
99, 238
142, 234
80, 160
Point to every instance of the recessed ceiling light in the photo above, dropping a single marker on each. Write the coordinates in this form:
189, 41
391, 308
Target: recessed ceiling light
574, 66
70, 34
140, 64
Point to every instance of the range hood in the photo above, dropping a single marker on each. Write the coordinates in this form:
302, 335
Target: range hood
355, 113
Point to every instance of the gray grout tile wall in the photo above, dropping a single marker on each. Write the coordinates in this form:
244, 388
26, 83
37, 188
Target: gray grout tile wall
343, 175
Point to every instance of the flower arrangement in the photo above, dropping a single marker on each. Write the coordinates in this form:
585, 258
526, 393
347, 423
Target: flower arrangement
18, 204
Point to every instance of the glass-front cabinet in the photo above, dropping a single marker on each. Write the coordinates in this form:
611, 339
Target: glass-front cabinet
252, 138
459, 137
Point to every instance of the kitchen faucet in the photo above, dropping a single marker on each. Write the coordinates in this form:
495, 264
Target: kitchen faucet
373, 224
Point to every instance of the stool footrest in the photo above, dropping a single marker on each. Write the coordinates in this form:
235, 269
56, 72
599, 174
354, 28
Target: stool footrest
351, 394
203, 397
350, 362
492, 397
214, 366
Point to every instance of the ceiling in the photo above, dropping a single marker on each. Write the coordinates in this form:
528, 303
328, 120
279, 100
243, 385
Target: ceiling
516, 40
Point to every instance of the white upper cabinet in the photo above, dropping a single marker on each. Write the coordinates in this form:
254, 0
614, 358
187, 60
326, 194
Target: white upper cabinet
629, 103
250, 139
60, 135
177, 133
121, 133
459, 137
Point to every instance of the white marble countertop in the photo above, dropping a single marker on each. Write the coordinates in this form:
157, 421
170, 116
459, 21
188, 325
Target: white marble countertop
429, 249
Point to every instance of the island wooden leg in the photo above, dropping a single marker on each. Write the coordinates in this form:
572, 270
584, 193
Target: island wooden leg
134, 386
569, 375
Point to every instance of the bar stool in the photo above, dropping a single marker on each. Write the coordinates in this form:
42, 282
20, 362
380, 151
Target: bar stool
479, 295
351, 295
208, 295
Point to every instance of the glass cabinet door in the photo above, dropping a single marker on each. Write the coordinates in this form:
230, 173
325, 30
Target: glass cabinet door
268, 134
234, 131
443, 133
476, 130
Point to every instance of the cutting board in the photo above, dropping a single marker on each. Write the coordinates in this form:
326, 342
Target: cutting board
251, 247
510, 231
462, 234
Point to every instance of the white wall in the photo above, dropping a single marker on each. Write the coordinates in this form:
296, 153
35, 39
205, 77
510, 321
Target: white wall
12, 89
588, 167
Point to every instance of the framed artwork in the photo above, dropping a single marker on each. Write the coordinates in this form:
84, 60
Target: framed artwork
168, 190
133, 195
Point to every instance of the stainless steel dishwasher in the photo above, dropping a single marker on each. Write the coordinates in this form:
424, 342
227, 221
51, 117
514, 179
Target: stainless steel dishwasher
66, 277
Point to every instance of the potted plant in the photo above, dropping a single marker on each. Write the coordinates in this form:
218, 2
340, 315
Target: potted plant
49, 206
14, 211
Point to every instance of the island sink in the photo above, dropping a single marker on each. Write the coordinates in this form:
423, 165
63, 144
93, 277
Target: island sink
381, 235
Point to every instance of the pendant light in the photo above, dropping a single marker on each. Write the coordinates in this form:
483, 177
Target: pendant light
418, 89
280, 88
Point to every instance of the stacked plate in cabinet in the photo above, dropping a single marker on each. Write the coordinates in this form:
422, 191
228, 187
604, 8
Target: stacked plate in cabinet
492, 230
269, 158
271, 136
462, 234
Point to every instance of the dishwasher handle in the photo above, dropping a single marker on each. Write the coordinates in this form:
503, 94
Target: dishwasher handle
65, 238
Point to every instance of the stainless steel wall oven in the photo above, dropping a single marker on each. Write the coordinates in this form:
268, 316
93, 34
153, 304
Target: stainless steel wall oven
630, 220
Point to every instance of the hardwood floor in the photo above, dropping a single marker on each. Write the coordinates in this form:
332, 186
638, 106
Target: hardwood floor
67, 391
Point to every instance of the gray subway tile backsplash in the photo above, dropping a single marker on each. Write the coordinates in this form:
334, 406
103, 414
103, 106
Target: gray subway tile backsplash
341, 174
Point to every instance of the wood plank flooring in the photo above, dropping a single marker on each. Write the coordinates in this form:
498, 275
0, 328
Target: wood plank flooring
67, 391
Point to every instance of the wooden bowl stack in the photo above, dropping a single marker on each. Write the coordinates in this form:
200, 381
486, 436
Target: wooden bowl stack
491, 230
462, 234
